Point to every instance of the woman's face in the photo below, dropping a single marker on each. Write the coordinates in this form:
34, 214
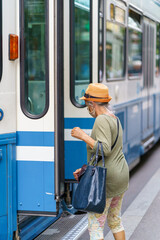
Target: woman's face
91, 109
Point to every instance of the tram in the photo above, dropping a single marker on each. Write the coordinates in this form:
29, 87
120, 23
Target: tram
49, 52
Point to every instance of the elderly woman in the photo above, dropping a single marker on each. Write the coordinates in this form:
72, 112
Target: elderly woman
105, 130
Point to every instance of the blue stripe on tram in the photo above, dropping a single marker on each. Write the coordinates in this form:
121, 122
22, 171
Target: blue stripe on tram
35, 139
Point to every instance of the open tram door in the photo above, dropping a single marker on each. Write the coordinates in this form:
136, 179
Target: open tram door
80, 64
149, 31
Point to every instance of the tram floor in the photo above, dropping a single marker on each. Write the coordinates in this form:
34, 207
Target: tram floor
139, 211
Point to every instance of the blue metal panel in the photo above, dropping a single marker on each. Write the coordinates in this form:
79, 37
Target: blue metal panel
157, 111
3, 228
151, 112
75, 157
35, 139
8, 223
49, 201
12, 211
133, 150
147, 117
36, 186
122, 117
3, 182
157, 117
134, 122
14, 188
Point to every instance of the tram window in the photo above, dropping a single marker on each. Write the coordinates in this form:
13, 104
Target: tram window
101, 36
115, 50
119, 15
134, 19
158, 51
0, 39
80, 49
34, 94
134, 45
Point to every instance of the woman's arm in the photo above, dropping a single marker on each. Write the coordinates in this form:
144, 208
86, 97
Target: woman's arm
80, 134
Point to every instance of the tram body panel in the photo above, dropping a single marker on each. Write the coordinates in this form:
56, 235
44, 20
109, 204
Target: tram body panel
8, 211
8, 82
135, 98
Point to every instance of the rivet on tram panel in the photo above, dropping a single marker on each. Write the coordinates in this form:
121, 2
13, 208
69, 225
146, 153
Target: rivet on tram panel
20, 203
38, 204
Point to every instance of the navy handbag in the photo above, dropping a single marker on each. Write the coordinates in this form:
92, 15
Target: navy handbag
90, 195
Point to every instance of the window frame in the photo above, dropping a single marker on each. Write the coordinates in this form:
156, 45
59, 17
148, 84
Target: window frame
141, 31
22, 63
1, 55
72, 62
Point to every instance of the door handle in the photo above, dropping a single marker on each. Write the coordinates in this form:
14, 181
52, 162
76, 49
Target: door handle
1, 114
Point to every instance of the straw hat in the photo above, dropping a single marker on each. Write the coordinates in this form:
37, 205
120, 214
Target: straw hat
96, 92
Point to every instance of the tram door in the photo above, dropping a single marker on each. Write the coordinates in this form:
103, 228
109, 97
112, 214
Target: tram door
148, 73
40, 139
78, 71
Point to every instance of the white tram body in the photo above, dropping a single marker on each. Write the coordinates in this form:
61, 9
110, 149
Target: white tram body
63, 46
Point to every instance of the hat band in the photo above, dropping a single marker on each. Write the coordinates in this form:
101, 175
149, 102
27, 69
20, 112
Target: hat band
89, 96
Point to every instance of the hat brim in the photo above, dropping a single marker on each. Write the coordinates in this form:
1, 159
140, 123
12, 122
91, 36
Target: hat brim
96, 99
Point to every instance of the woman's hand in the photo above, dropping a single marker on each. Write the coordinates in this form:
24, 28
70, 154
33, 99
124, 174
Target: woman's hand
76, 173
78, 133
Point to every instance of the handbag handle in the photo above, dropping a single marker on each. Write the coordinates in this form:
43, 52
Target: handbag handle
96, 159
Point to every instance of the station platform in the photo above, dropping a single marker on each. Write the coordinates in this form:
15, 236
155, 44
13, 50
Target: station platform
140, 210
141, 219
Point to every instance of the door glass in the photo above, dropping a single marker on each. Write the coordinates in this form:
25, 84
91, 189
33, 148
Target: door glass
35, 56
81, 50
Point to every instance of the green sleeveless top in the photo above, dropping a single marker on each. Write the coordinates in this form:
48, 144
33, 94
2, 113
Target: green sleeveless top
105, 131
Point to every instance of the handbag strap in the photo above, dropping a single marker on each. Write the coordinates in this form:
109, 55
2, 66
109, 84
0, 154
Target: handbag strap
96, 159
117, 135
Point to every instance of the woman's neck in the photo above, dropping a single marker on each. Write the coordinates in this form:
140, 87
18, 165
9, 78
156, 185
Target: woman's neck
102, 110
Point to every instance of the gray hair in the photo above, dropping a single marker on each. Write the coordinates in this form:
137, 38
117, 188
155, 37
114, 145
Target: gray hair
103, 104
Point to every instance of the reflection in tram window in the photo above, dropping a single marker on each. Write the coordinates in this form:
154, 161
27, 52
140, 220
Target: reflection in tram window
35, 56
134, 45
134, 53
112, 11
115, 51
80, 49
158, 51
134, 19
